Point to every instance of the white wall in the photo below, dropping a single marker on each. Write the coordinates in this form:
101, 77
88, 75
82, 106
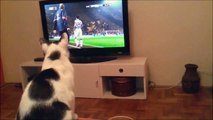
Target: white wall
20, 32
169, 33
172, 34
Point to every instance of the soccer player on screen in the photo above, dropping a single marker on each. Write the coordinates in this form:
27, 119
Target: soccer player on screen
78, 32
60, 21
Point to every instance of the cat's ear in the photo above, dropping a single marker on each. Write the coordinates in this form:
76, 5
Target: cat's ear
64, 40
44, 45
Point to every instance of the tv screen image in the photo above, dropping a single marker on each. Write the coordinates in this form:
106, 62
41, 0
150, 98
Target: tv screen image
95, 27
101, 23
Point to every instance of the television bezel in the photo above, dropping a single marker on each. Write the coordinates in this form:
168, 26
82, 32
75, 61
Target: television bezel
91, 52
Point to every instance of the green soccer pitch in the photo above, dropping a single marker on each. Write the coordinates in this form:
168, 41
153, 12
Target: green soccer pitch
101, 41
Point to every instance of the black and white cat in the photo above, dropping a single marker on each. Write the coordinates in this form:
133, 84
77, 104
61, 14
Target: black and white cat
50, 96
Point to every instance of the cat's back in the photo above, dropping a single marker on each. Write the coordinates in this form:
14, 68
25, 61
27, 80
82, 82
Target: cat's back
41, 98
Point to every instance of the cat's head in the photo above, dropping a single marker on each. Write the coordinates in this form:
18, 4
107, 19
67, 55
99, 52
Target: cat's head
60, 47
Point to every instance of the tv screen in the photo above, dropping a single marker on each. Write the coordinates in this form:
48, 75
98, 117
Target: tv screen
95, 27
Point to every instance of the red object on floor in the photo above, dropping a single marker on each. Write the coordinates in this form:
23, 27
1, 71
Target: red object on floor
1, 72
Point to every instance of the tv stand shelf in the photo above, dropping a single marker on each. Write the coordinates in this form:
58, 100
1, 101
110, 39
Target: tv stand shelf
93, 80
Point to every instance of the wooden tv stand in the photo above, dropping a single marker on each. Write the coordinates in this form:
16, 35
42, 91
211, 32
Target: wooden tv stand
93, 80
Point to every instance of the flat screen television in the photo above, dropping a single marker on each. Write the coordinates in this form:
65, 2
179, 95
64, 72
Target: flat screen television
98, 29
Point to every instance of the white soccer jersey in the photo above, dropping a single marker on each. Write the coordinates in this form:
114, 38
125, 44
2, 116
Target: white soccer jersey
78, 24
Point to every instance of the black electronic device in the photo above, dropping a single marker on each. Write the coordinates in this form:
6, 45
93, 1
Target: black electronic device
39, 59
103, 26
